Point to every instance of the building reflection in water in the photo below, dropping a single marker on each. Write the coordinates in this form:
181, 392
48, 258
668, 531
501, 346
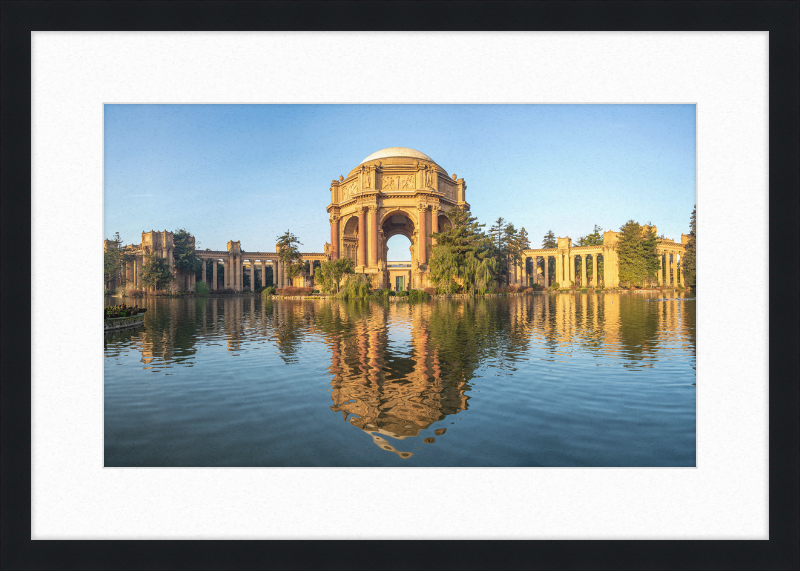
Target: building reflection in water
378, 386
399, 368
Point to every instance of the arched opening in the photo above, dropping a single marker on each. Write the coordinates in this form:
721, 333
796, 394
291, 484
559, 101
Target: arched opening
398, 249
398, 231
350, 241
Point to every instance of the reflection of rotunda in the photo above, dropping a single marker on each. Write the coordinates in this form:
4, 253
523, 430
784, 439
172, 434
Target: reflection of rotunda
395, 191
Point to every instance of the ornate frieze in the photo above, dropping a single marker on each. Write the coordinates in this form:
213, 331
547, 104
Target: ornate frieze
349, 190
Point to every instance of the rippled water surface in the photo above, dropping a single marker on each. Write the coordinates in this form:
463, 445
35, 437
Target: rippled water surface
542, 380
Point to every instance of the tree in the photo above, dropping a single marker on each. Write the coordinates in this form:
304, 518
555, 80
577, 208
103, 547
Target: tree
549, 240
520, 244
689, 258
638, 260
156, 272
498, 247
289, 253
183, 255
330, 273
460, 254
111, 259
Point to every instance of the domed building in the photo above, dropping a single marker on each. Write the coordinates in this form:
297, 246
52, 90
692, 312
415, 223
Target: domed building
395, 191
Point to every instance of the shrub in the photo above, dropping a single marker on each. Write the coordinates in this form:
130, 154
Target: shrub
291, 291
268, 291
430, 290
555, 285
418, 295
528, 290
246, 290
381, 293
355, 286
314, 291
201, 289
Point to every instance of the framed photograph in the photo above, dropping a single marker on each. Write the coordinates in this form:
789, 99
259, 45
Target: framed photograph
100, 475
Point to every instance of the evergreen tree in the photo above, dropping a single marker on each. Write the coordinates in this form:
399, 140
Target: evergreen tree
689, 258
156, 272
183, 254
636, 250
498, 249
549, 240
461, 253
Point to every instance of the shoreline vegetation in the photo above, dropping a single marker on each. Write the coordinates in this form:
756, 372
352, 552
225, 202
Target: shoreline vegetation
289, 292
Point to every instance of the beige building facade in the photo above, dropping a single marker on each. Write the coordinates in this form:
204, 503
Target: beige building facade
233, 259
571, 263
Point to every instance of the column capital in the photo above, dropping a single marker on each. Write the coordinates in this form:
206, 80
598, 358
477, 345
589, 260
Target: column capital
334, 218
373, 208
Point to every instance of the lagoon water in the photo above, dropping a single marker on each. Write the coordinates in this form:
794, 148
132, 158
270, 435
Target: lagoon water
567, 379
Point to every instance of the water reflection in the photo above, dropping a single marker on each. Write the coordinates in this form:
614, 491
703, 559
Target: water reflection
396, 369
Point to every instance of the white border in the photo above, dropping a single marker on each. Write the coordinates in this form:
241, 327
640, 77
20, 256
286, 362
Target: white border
74, 73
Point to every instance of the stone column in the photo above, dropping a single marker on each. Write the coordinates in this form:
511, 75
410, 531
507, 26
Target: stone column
680, 271
334, 237
434, 223
560, 267
594, 270
660, 269
422, 246
362, 238
252, 274
583, 270
673, 270
373, 235
571, 270
214, 274
203, 269
311, 267
546, 273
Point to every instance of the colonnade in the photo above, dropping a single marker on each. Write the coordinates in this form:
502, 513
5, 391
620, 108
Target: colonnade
234, 268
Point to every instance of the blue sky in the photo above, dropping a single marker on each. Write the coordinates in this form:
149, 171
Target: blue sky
250, 172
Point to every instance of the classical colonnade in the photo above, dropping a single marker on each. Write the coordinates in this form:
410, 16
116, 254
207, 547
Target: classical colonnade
233, 260
568, 258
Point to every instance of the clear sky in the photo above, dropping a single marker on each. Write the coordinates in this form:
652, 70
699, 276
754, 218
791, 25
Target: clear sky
251, 172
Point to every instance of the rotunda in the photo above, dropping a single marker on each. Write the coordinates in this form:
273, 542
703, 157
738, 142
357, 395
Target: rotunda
393, 191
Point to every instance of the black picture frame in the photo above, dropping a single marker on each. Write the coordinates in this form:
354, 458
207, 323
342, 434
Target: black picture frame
781, 19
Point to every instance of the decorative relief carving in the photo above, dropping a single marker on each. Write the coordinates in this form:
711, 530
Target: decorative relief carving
349, 190
388, 182
373, 207
429, 177
367, 179
398, 182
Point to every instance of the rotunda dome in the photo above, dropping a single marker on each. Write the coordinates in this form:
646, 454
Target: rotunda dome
397, 152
